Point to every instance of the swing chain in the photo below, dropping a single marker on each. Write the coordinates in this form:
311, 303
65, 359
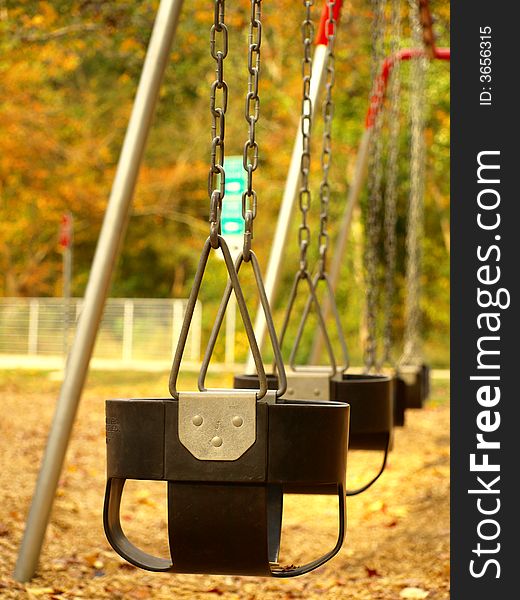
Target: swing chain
391, 188
326, 154
412, 350
374, 199
252, 112
304, 197
217, 174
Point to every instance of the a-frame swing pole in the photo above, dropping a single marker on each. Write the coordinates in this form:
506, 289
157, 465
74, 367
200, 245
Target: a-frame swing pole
111, 236
292, 183
360, 171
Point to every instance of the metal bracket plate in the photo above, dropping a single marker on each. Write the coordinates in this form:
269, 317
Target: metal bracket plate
308, 384
217, 425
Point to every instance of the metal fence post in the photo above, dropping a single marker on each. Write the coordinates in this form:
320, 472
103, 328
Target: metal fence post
177, 315
128, 329
34, 314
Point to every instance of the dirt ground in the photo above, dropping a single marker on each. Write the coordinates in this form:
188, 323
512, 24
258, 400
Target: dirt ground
398, 531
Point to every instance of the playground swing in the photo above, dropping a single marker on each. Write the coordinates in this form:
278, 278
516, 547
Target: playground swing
228, 455
390, 213
370, 396
374, 430
383, 199
412, 373
305, 383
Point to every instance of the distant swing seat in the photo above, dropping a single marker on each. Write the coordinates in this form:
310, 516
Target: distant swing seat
413, 385
370, 398
399, 403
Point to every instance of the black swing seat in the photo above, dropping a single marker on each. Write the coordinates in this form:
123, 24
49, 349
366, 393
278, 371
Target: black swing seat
224, 516
370, 398
399, 403
371, 409
413, 385
371, 402
426, 380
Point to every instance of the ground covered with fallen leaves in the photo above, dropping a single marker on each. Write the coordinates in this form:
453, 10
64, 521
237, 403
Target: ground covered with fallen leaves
398, 531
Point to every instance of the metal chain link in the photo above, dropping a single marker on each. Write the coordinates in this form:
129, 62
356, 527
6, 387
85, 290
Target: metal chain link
326, 154
412, 344
374, 200
391, 188
304, 197
252, 112
217, 174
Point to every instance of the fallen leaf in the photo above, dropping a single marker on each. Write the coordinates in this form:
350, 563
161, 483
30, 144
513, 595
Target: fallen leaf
414, 593
400, 511
93, 561
376, 506
143, 497
40, 591
140, 593
371, 572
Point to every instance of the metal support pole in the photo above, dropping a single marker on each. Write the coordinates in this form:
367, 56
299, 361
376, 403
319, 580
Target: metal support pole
354, 193
106, 253
177, 316
292, 185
